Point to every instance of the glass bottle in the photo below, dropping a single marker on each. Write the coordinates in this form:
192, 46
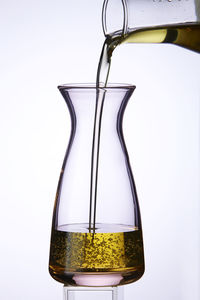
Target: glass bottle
153, 21
127, 15
96, 241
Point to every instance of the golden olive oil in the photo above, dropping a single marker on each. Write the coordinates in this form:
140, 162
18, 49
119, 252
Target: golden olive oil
184, 35
99, 253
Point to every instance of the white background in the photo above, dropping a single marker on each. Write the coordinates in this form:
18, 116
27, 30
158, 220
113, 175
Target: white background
46, 43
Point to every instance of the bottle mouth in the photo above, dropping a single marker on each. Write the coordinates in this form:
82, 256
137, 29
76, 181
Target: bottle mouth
114, 17
92, 86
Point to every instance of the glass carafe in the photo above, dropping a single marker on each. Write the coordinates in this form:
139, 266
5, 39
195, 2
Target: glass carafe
153, 21
105, 250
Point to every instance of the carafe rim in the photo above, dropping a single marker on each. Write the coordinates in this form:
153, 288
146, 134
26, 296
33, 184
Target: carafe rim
92, 86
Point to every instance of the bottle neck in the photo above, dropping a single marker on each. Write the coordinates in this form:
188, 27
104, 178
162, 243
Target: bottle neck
117, 21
